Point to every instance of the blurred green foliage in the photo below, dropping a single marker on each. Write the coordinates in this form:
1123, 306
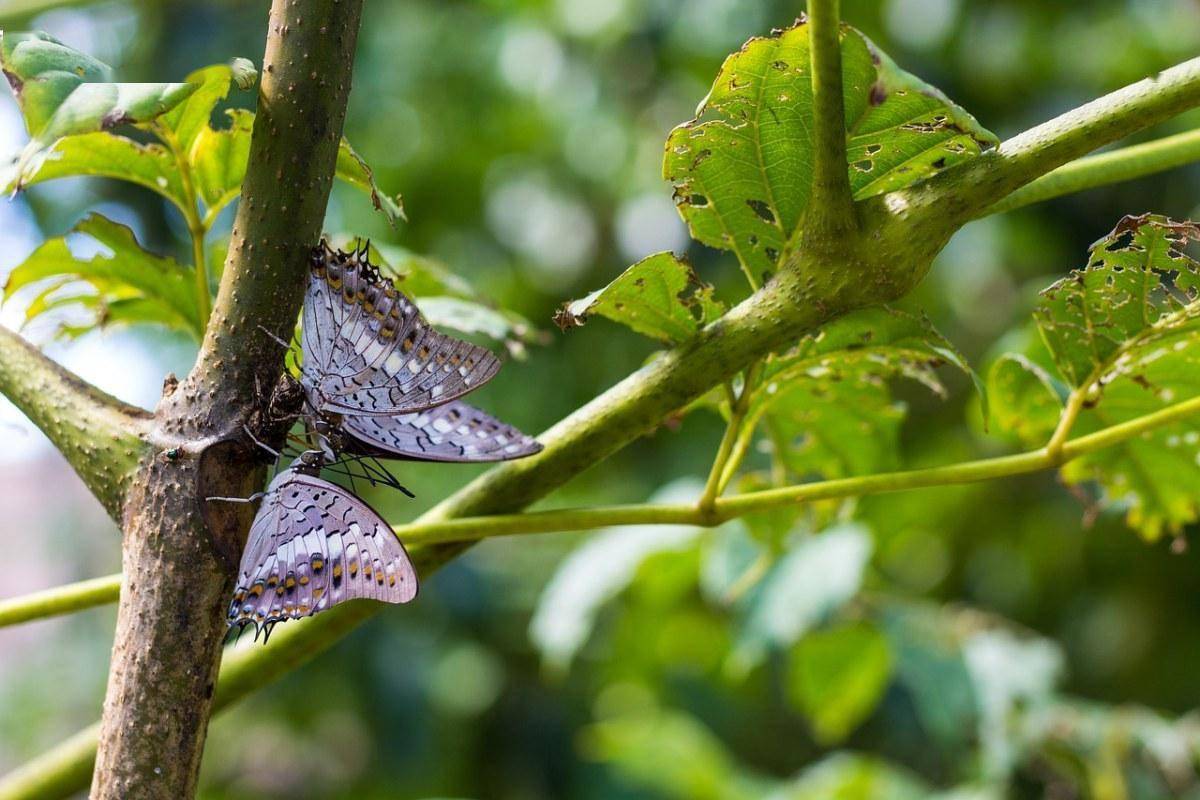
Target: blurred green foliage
987, 641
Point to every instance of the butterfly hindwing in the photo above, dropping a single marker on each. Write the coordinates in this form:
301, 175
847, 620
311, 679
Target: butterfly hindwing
313, 545
453, 431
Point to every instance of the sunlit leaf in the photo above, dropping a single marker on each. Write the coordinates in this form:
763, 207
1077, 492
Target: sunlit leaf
353, 170
814, 579
837, 677
62, 92
187, 120
742, 170
121, 283
108, 155
659, 296
218, 157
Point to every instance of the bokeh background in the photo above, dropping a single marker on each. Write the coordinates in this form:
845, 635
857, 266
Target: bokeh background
1038, 649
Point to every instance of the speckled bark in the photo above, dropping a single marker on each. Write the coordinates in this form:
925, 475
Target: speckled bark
180, 552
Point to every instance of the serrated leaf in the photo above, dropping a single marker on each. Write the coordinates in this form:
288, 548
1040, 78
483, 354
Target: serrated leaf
353, 170
1125, 331
218, 158
124, 283
62, 92
742, 169
659, 296
837, 677
187, 120
1022, 399
108, 155
811, 581
826, 403
1136, 275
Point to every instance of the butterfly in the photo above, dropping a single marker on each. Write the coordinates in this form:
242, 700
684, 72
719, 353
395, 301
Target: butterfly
312, 545
378, 382
381, 381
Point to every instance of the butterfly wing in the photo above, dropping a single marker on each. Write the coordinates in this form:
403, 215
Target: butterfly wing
371, 350
454, 431
312, 546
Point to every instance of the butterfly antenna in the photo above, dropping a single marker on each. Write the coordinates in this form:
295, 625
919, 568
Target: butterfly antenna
254, 498
263, 445
276, 339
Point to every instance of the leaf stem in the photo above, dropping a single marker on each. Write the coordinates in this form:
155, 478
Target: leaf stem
831, 207
1066, 421
738, 406
60, 600
1124, 164
197, 229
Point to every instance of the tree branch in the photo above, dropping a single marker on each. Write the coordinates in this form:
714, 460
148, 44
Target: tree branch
101, 437
180, 553
830, 213
1126, 164
60, 600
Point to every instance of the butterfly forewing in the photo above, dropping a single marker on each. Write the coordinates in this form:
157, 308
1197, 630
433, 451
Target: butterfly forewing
454, 431
368, 350
313, 545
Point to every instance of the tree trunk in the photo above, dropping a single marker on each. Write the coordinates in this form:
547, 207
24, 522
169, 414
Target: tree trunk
180, 551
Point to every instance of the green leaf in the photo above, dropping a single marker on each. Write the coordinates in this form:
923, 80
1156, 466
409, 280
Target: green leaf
470, 317
659, 296
62, 92
218, 159
806, 585
122, 284
187, 120
838, 676
1125, 331
669, 753
354, 171
1022, 399
1135, 276
742, 169
826, 403
848, 776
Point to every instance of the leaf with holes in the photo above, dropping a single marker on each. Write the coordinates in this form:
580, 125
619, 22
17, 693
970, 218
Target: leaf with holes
1125, 332
120, 284
1022, 399
660, 297
218, 158
187, 120
826, 403
62, 92
742, 169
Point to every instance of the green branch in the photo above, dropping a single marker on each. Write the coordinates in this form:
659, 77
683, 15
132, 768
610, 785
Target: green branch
914, 223
101, 437
60, 600
830, 214
1103, 169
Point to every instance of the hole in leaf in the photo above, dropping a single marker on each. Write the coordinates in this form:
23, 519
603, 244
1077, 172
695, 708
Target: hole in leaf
697, 201
866, 165
763, 210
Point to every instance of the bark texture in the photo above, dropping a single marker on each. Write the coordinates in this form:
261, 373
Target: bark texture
180, 552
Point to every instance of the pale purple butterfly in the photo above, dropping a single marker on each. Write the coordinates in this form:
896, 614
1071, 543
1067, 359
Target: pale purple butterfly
313, 545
